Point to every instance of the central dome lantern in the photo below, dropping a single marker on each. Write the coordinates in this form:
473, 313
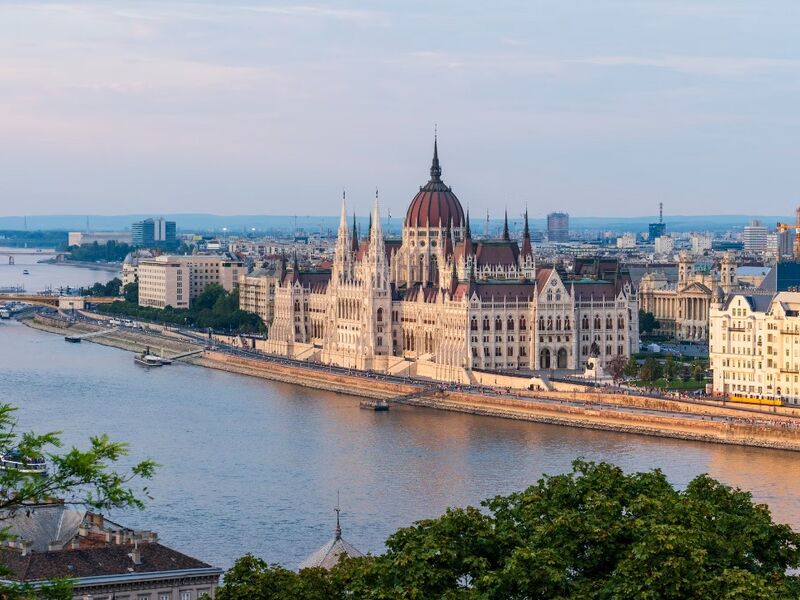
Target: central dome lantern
435, 204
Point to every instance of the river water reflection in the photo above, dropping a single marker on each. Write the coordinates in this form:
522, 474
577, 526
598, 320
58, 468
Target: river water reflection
43, 275
250, 465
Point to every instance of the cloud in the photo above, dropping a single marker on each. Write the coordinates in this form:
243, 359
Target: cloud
718, 66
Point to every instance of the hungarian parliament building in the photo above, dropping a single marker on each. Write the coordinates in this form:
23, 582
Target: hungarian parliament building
438, 302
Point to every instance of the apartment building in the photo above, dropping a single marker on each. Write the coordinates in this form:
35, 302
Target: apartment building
177, 280
754, 345
257, 293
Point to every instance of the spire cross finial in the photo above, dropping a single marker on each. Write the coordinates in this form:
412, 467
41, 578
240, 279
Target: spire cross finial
337, 510
436, 170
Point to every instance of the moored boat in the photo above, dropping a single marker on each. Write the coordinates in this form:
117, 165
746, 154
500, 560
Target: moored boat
373, 404
13, 460
146, 359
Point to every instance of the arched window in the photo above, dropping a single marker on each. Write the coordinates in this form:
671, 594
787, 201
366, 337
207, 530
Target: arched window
549, 323
498, 324
609, 322
558, 323
585, 322
510, 324
473, 324
522, 324
541, 323
566, 323
486, 323
297, 305
597, 321
380, 315
621, 322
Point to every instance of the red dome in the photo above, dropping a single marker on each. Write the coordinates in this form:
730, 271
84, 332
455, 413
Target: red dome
435, 203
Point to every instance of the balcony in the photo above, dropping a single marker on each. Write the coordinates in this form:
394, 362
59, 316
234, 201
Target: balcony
794, 371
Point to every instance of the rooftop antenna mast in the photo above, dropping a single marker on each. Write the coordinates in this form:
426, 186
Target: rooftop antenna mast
660, 212
486, 230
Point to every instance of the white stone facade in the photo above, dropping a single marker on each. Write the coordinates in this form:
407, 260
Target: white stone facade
754, 346
436, 297
682, 308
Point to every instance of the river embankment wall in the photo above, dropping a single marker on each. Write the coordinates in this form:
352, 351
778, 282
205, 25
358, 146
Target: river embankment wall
590, 410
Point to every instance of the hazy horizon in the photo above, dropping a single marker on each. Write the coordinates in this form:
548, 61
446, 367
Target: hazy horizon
598, 109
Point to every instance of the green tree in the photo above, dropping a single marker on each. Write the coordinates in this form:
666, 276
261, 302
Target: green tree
650, 370
208, 298
647, 322
670, 369
87, 477
131, 292
686, 372
631, 367
616, 367
698, 371
595, 533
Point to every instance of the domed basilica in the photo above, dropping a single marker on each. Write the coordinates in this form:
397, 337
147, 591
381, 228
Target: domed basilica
438, 303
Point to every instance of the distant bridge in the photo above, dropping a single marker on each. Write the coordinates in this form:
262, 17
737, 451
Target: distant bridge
12, 252
77, 302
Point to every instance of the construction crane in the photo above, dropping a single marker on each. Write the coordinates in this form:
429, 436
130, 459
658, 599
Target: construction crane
781, 227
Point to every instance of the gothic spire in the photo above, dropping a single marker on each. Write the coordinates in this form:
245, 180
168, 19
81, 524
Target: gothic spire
375, 231
527, 249
526, 233
338, 532
468, 232
343, 218
506, 236
295, 268
436, 170
354, 237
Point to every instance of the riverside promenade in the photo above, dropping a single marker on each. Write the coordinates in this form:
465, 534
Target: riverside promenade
607, 409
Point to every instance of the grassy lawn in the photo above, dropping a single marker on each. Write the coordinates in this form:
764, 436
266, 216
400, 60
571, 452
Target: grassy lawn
678, 384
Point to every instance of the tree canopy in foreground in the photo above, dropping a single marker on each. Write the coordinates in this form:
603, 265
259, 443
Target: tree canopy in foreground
594, 533
91, 478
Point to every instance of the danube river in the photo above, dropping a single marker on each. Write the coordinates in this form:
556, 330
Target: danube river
42, 276
254, 466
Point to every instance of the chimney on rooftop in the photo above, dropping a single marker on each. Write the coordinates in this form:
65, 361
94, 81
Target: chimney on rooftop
26, 546
136, 555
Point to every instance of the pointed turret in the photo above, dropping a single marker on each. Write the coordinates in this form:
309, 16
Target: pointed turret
369, 227
283, 266
506, 236
527, 249
343, 218
295, 268
354, 237
342, 258
467, 238
375, 230
453, 279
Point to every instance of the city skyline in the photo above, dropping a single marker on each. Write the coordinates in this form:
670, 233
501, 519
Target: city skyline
261, 107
